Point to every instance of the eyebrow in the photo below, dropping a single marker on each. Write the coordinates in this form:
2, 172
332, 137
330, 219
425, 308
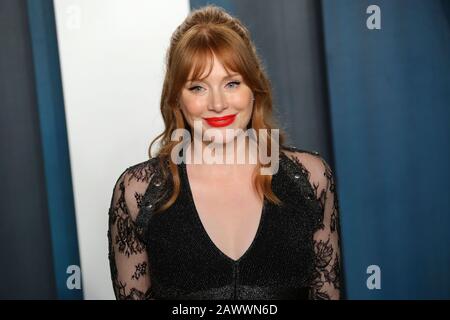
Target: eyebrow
224, 78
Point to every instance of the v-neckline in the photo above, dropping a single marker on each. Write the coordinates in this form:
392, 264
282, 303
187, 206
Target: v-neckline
204, 232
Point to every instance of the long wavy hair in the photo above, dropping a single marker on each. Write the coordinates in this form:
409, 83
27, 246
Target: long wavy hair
210, 31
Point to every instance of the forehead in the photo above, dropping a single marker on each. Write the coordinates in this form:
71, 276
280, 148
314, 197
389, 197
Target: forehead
210, 66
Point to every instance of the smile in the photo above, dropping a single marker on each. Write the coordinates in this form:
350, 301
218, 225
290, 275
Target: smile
221, 121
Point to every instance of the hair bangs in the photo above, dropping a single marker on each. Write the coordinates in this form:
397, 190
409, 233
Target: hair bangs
204, 45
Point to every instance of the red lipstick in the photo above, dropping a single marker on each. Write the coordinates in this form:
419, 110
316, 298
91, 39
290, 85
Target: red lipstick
221, 121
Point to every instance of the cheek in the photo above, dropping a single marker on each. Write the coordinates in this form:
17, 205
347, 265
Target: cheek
242, 101
193, 107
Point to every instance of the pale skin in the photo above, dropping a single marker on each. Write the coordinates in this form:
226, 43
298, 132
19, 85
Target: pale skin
228, 205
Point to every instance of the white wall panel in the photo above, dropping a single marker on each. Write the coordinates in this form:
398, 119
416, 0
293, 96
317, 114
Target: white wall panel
112, 61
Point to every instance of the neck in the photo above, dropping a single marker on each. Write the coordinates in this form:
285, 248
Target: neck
241, 150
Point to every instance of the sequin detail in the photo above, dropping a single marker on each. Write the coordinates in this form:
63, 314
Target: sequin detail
164, 255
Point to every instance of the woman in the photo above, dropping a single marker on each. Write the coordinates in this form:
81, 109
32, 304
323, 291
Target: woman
184, 230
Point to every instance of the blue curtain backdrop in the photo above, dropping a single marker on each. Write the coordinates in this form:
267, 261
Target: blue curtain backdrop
26, 263
58, 179
389, 101
38, 234
390, 106
376, 103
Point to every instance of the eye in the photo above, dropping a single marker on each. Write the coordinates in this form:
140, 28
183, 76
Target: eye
195, 89
234, 84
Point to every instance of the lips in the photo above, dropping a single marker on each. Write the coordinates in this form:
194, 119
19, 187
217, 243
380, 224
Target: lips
221, 121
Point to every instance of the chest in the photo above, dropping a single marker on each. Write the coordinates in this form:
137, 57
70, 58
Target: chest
229, 213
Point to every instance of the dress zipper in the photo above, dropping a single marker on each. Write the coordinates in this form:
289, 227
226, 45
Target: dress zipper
235, 278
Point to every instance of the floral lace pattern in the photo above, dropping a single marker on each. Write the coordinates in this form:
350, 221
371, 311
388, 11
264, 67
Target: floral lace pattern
326, 276
139, 189
127, 247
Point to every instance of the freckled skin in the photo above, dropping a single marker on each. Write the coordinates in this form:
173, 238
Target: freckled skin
219, 189
217, 96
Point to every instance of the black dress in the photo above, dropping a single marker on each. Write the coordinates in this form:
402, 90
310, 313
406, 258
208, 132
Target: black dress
169, 255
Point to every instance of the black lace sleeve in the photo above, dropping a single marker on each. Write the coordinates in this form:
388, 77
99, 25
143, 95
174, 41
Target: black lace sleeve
326, 283
326, 278
127, 251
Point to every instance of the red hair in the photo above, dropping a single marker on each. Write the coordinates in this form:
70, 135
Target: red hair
206, 32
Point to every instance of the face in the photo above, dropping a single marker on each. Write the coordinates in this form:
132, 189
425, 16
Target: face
221, 101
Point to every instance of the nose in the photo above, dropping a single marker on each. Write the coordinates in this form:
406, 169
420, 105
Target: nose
217, 102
